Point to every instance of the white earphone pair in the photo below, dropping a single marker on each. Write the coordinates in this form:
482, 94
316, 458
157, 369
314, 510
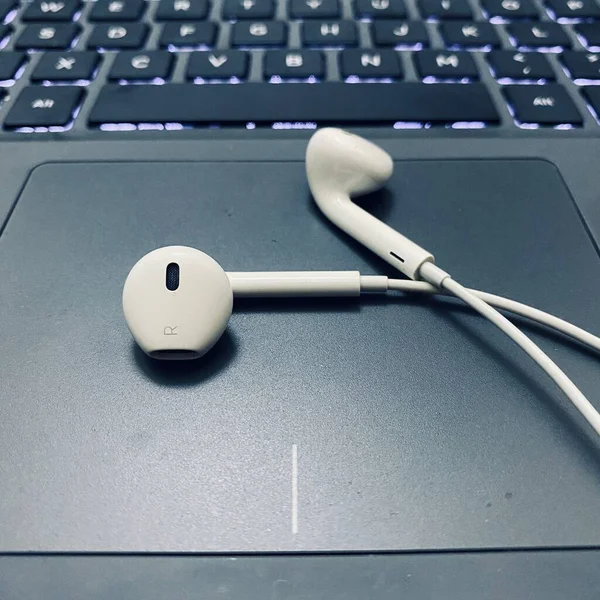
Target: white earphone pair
177, 300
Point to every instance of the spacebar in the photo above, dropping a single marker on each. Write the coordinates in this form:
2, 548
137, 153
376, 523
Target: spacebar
293, 102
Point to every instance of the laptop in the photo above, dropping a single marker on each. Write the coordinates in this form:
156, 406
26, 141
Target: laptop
335, 448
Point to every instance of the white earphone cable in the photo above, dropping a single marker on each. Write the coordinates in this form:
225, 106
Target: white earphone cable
517, 308
436, 276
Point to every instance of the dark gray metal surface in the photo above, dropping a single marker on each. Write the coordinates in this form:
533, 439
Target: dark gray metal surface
461, 576
417, 425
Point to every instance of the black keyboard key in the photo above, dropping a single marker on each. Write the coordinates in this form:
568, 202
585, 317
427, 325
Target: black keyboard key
592, 95
329, 33
315, 9
511, 9
520, 65
574, 9
118, 35
340, 103
370, 64
543, 104
57, 36
6, 7
141, 66
117, 10
249, 9
582, 65
445, 65
10, 63
294, 64
538, 35
445, 9
590, 32
381, 9
66, 66
5, 31
403, 34
188, 35
467, 34
259, 33
51, 10
223, 64
44, 107
181, 10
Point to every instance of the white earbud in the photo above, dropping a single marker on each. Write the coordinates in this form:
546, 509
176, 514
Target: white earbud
340, 165
177, 302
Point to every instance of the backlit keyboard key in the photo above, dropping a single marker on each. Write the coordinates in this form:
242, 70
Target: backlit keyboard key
340, 103
117, 10
39, 106
511, 9
329, 33
468, 34
592, 95
259, 33
248, 9
51, 10
188, 34
543, 104
10, 62
141, 66
6, 7
508, 64
370, 64
315, 9
400, 33
65, 66
574, 9
590, 32
55, 36
582, 65
381, 9
222, 64
118, 35
294, 64
538, 35
445, 65
181, 10
445, 9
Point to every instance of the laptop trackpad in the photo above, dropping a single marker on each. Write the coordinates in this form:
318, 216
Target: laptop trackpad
388, 423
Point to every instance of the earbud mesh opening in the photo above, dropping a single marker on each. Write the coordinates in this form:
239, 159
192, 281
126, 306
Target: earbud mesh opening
172, 277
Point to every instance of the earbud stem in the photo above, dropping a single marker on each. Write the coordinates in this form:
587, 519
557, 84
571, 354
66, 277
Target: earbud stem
389, 244
291, 284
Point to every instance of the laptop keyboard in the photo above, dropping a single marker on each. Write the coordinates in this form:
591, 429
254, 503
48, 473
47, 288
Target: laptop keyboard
119, 65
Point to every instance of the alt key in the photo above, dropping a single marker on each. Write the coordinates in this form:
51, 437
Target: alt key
39, 106
543, 104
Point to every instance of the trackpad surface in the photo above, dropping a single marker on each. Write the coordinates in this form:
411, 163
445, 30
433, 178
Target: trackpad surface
375, 424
